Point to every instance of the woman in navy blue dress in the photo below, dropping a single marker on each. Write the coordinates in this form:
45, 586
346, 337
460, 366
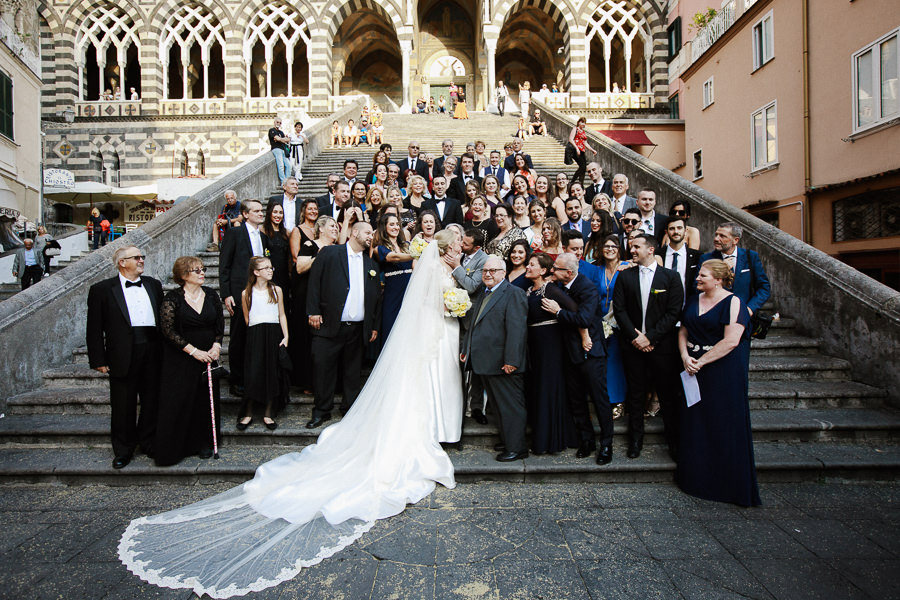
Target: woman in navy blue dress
391, 252
516, 262
551, 424
609, 262
715, 454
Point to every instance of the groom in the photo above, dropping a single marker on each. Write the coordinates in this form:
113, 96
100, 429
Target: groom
494, 348
344, 307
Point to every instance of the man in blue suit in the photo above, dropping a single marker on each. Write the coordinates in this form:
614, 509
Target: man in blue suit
750, 281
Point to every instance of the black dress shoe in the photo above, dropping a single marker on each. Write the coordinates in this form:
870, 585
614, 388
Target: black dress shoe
243, 426
205, 453
634, 448
511, 456
121, 461
318, 421
479, 416
604, 455
501, 447
271, 425
585, 449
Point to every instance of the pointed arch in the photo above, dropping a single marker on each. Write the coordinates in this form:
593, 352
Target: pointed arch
276, 50
194, 38
109, 34
336, 11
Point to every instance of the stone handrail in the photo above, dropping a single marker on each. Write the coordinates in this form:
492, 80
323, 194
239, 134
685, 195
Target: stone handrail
41, 326
856, 317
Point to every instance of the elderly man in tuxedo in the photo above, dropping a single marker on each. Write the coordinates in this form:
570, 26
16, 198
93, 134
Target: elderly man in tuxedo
494, 349
412, 163
326, 200
344, 307
239, 245
123, 342
751, 284
647, 303
585, 364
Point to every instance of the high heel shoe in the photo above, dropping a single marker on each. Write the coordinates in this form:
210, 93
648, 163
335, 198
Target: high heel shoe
270, 423
242, 426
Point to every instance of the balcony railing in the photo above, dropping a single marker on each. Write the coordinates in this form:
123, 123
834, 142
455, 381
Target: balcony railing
712, 31
108, 108
620, 101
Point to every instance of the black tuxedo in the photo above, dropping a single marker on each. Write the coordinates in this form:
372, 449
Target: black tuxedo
590, 190
690, 273
457, 187
509, 163
337, 342
421, 169
452, 210
326, 204
133, 357
585, 372
496, 336
234, 264
661, 365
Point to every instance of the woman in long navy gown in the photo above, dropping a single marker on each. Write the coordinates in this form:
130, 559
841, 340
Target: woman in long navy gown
396, 264
615, 368
715, 455
548, 414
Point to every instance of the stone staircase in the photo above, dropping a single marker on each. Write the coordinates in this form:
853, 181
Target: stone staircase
810, 418
8, 290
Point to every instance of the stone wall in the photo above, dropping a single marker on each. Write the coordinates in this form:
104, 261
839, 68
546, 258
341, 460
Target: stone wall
856, 317
41, 326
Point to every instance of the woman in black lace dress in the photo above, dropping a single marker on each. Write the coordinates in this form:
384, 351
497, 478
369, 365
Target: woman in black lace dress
192, 325
279, 247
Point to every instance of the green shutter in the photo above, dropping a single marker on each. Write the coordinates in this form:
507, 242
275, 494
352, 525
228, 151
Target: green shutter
6, 106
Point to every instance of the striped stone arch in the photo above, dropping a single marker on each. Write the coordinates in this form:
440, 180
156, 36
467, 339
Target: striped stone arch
564, 17
334, 13
78, 13
166, 10
249, 9
645, 14
54, 20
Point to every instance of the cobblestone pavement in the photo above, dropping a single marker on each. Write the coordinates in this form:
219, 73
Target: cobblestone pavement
504, 541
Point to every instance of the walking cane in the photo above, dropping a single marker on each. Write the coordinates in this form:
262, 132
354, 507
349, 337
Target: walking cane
212, 410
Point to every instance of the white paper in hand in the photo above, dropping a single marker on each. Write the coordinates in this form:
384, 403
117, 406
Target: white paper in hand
691, 388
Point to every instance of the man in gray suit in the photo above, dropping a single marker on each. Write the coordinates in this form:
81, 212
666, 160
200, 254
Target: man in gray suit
494, 349
466, 271
28, 265
620, 200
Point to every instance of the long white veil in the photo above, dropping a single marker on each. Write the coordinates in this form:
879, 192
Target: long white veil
305, 506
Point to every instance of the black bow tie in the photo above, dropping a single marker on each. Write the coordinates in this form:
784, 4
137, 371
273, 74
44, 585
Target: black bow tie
137, 283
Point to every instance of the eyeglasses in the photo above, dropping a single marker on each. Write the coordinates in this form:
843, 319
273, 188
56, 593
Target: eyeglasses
631, 221
493, 270
555, 268
269, 268
198, 270
679, 213
413, 147
137, 257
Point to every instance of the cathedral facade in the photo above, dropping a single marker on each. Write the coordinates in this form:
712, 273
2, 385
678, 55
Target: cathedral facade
138, 90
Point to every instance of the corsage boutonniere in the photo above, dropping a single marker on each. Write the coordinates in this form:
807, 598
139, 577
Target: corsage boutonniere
371, 272
266, 253
652, 291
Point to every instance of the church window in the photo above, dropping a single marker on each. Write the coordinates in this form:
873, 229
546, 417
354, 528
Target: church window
192, 54
275, 51
106, 52
619, 48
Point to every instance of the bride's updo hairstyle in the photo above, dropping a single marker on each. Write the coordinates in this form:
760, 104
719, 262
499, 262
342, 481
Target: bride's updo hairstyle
719, 269
444, 238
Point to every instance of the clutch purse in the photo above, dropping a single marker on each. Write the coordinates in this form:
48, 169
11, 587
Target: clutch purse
759, 325
218, 371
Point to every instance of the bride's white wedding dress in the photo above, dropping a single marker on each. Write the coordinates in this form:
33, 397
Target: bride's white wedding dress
305, 506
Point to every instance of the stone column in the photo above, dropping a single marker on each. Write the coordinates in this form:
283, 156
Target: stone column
490, 45
577, 68
321, 83
405, 51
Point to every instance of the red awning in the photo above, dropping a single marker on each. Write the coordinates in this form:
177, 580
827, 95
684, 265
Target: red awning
628, 137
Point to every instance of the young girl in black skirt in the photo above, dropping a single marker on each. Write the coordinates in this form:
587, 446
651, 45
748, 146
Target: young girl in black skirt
267, 331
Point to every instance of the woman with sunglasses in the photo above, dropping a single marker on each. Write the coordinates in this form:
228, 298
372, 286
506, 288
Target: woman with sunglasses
192, 324
609, 262
682, 208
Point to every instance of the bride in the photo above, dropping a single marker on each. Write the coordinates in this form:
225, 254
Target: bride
305, 506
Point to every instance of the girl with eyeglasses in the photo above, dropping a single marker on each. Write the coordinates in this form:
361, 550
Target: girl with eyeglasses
265, 383
192, 325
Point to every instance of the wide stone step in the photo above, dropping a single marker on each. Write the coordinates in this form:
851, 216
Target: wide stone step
775, 461
784, 345
768, 425
791, 368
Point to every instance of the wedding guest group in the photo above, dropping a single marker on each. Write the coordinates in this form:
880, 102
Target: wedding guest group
587, 304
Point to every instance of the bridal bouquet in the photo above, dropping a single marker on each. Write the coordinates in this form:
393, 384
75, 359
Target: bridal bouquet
457, 302
417, 246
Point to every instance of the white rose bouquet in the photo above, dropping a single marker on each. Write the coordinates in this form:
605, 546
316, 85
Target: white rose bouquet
457, 302
417, 246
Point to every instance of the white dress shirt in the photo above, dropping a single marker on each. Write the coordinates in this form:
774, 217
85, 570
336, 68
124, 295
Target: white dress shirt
681, 267
355, 306
412, 163
441, 204
140, 310
598, 185
290, 213
619, 203
646, 275
255, 241
732, 255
